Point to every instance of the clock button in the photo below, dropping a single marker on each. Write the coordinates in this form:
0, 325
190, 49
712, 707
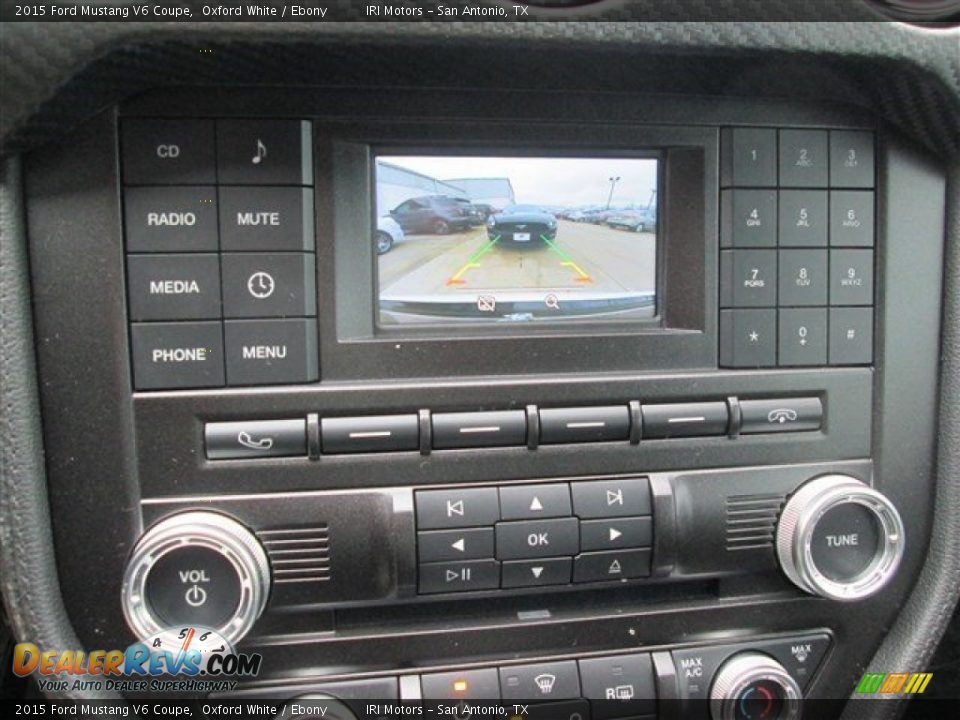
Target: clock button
193, 586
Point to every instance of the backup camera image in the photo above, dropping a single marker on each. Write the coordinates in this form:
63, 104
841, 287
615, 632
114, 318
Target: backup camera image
476, 239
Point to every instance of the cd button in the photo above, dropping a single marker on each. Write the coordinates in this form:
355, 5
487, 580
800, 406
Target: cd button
610, 566
535, 573
616, 534
170, 219
255, 439
684, 420
470, 544
466, 507
611, 498
537, 538
266, 218
448, 577
269, 152
525, 502
375, 433
584, 424
168, 152
479, 429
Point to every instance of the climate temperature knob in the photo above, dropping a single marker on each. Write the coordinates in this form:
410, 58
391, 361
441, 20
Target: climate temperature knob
199, 569
754, 686
839, 538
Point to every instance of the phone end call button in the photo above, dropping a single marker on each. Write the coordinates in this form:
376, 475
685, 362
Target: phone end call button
781, 415
255, 439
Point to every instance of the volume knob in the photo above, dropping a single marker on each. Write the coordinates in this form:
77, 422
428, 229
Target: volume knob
839, 538
196, 568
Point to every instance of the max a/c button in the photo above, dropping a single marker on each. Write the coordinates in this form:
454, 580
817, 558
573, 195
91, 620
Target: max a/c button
177, 355
255, 439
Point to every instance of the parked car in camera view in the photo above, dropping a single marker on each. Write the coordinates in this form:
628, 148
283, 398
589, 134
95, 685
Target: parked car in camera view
636, 220
522, 225
387, 234
433, 214
472, 211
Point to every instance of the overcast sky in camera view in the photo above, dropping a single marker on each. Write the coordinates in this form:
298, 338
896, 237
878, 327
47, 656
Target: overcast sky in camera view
566, 182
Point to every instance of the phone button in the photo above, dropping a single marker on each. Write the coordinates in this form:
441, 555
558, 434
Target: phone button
780, 415
255, 439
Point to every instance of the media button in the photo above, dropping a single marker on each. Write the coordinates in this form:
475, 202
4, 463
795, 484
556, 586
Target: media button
174, 287
537, 573
266, 218
267, 152
448, 577
628, 532
528, 502
611, 498
271, 352
543, 681
611, 566
177, 355
168, 152
255, 439
456, 507
170, 219
537, 538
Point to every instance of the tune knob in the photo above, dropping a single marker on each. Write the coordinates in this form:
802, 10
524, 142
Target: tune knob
839, 538
754, 686
196, 568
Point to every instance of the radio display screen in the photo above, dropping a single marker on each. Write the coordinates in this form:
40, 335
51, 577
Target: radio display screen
474, 239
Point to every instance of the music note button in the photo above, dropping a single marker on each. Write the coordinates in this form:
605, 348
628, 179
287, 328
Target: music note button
264, 152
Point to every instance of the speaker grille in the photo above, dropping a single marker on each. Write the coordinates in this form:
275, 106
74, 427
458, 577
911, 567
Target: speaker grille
752, 520
298, 554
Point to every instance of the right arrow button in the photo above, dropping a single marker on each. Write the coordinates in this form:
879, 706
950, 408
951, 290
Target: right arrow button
628, 532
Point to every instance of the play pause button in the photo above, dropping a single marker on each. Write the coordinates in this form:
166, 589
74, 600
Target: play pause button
448, 577
534, 573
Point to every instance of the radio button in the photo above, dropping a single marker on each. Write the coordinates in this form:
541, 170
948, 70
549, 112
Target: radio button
676, 420
750, 157
170, 219
584, 424
448, 577
628, 679
780, 415
803, 158
174, 287
635, 532
748, 278
803, 277
535, 573
268, 152
269, 285
168, 152
527, 502
803, 218
611, 498
748, 338
469, 507
545, 681
851, 158
537, 538
851, 218
177, 355
610, 566
255, 439
266, 218
749, 219
271, 352
803, 337
472, 544
851, 277
462, 685
479, 429
374, 433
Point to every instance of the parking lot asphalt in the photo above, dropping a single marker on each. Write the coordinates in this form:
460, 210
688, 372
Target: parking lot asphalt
584, 258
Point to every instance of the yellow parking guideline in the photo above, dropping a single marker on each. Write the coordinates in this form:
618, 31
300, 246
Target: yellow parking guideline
472, 261
567, 261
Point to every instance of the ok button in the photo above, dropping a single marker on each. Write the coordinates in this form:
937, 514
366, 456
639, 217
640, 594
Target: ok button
537, 539
193, 586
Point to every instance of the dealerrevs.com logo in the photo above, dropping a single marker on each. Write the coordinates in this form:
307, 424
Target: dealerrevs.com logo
183, 659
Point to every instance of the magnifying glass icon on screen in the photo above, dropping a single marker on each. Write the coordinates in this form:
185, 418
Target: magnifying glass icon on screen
552, 302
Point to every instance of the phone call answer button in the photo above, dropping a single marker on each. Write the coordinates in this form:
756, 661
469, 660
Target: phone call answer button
255, 438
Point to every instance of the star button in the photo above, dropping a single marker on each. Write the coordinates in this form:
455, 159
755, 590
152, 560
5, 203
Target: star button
754, 336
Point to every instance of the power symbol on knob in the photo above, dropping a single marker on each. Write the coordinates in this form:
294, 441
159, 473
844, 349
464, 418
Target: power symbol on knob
196, 596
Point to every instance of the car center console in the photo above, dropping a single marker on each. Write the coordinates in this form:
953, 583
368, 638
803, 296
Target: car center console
661, 432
